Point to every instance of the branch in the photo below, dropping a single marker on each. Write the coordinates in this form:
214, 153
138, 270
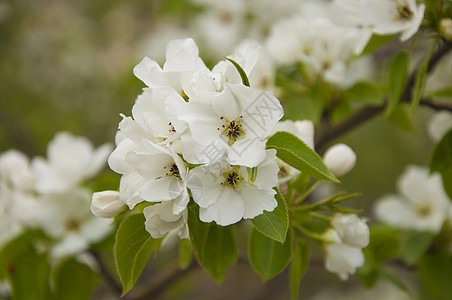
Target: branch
164, 280
328, 132
109, 279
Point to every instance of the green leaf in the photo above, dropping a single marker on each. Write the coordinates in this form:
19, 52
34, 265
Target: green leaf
435, 271
185, 253
401, 117
441, 93
414, 245
242, 73
73, 280
15, 249
384, 244
447, 182
30, 277
214, 245
441, 159
198, 231
221, 251
268, 257
375, 42
365, 92
274, 224
133, 247
419, 86
300, 263
296, 153
398, 76
252, 174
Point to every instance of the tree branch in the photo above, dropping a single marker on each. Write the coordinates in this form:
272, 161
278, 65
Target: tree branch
328, 132
109, 279
164, 280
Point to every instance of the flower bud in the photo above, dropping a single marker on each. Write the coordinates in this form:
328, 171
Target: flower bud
340, 159
106, 204
352, 229
445, 29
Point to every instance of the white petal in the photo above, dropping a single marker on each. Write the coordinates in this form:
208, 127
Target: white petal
267, 171
162, 189
227, 210
247, 151
181, 55
129, 189
150, 165
256, 201
343, 259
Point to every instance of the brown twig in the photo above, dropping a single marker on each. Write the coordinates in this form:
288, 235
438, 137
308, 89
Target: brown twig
328, 132
163, 280
109, 279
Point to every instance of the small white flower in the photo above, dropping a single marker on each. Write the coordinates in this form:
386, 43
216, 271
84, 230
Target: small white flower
160, 220
70, 160
15, 171
340, 159
225, 195
106, 204
421, 205
235, 122
343, 259
394, 16
66, 218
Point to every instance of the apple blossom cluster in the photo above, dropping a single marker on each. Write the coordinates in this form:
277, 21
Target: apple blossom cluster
197, 132
46, 194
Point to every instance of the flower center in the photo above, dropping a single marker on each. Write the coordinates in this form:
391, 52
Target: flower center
171, 128
232, 129
424, 210
232, 178
405, 13
173, 171
72, 224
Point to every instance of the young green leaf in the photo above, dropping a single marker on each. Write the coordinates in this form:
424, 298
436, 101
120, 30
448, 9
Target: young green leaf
401, 117
73, 280
419, 86
242, 73
12, 252
268, 257
133, 247
274, 224
221, 251
441, 93
296, 153
365, 92
414, 245
441, 159
435, 271
198, 231
185, 253
214, 245
375, 42
30, 279
398, 76
300, 263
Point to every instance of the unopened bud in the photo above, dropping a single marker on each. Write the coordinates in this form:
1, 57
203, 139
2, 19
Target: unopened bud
340, 159
445, 29
106, 204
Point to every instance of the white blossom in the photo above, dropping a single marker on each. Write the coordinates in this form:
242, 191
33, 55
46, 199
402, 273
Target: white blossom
225, 195
70, 160
160, 220
344, 252
340, 159
421, 204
